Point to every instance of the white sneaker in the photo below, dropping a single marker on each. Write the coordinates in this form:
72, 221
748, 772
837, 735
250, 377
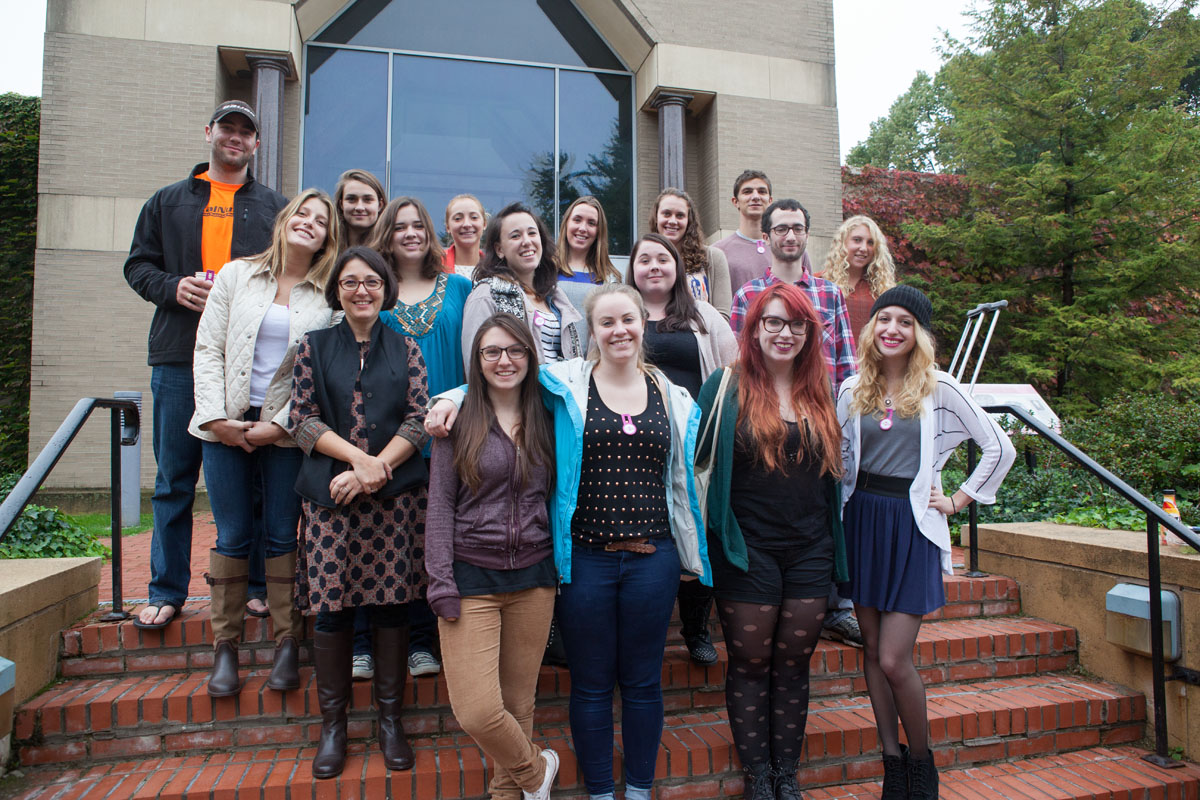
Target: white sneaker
543, 792
422, 662
363, 668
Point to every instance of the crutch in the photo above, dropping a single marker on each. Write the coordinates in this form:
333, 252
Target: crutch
975, 319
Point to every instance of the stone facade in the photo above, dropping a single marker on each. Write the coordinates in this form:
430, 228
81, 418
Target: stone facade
129, 85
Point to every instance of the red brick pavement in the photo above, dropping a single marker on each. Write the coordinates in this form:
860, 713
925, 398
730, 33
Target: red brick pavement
135, 562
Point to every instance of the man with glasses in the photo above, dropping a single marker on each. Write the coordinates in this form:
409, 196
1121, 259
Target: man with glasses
186, 232
746, 248
785, 225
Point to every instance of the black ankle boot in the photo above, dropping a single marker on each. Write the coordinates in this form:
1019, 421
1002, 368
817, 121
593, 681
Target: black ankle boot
759, 782
895, 775
786, 787
922, 777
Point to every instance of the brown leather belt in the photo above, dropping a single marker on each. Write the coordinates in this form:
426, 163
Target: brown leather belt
642, 546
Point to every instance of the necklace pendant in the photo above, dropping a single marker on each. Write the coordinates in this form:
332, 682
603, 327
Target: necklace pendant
885, 424
627, 426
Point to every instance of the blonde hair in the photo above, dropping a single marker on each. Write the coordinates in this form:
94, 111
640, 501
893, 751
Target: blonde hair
880, 273
482, 212
919, 378
275, 256
589, 306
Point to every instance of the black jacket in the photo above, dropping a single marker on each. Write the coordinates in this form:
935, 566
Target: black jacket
166, 248
334, 353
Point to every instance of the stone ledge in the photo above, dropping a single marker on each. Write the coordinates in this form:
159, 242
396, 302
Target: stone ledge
38, 598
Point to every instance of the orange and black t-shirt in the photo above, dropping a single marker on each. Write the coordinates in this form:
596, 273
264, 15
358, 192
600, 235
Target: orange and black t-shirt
216, 235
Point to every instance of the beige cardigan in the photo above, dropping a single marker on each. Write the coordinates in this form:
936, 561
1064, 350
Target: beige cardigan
241, 295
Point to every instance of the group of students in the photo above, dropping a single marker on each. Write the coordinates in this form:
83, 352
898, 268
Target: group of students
514, 432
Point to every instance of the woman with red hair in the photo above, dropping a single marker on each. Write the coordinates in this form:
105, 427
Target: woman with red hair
775, 534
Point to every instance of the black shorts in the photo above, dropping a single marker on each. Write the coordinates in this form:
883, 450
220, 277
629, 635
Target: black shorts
799, 573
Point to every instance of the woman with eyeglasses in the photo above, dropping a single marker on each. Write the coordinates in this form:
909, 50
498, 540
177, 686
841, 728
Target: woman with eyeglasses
624, 524
358, 407
901, 419
245, 346
465, 220
687, 339
861, 265
775, 535
490, 558
674, 216
518, 274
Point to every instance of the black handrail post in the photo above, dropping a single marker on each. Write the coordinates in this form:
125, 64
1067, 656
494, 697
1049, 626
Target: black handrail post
973, 517
118, 612
1158, 663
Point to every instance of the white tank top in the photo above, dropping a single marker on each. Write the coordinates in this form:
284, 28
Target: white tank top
269, 350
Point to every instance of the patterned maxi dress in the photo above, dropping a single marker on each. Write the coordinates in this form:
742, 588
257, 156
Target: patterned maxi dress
370, 551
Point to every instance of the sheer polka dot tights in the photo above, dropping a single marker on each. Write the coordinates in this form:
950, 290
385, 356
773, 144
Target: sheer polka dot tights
766, 685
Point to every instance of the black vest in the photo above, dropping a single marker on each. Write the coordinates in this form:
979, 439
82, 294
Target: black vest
384, 395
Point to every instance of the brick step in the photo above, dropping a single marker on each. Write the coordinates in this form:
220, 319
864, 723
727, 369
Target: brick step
1119, 773
997, 719
697, 760
91, 647
172, 705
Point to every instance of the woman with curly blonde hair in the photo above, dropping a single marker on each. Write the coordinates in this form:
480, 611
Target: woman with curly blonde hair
901, 419
861, 265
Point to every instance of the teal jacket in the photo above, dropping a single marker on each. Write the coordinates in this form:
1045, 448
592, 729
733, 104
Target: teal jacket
723, 526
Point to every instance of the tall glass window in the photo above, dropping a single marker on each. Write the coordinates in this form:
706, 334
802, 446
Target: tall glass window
519, 100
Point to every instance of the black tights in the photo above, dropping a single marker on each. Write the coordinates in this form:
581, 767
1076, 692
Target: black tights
766, 683
389, 616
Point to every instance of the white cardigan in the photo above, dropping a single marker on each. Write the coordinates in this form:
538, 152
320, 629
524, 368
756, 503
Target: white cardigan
949, 417
241, 296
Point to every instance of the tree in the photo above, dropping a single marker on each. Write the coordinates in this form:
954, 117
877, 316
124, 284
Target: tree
19, 121
1070, 121
906, 139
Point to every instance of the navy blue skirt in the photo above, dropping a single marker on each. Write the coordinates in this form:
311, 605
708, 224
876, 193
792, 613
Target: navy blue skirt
893, 567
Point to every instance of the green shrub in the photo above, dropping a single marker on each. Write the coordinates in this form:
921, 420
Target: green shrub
42, 532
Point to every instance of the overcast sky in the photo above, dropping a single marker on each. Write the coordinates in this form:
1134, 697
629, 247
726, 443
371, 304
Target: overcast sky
880, 45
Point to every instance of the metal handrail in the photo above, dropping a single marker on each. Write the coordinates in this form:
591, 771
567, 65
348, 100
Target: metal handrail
125, 429
1155, 517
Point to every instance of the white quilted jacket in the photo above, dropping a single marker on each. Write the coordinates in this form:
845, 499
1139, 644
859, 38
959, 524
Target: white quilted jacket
240, 297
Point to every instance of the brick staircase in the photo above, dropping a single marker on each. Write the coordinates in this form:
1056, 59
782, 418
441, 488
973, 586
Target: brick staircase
1009, 719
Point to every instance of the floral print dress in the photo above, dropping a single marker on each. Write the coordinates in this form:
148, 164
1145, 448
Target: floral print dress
370, 551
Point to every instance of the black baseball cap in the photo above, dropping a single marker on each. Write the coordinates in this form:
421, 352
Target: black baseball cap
235, 107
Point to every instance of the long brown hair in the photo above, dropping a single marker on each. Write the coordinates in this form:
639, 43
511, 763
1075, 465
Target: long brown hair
339, 194
533, 436
691, 245
681, 313
597, 260
491, 265
812, 398
381, 242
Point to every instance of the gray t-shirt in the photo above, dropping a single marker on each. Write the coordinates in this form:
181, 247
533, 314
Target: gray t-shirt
895, 453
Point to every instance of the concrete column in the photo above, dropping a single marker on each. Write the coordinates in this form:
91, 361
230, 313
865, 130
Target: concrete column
671, 165
269, 72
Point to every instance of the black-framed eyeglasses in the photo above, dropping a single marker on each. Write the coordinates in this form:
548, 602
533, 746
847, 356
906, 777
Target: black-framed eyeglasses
516, 352
798, 327
782, 230
351, 284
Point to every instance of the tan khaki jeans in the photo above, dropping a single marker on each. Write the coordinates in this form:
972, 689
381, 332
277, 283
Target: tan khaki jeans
492, 654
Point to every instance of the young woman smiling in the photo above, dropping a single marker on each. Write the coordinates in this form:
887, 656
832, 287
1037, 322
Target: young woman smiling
245, 345
861, 265
618, 549
583, 258
358, 404
518, 275
489, 556
775, 537
687, 339
901, 419
359, 197
465, 219
674, 216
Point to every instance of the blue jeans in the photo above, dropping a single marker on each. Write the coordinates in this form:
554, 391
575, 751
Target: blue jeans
614, 616
177, 454
230, 474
